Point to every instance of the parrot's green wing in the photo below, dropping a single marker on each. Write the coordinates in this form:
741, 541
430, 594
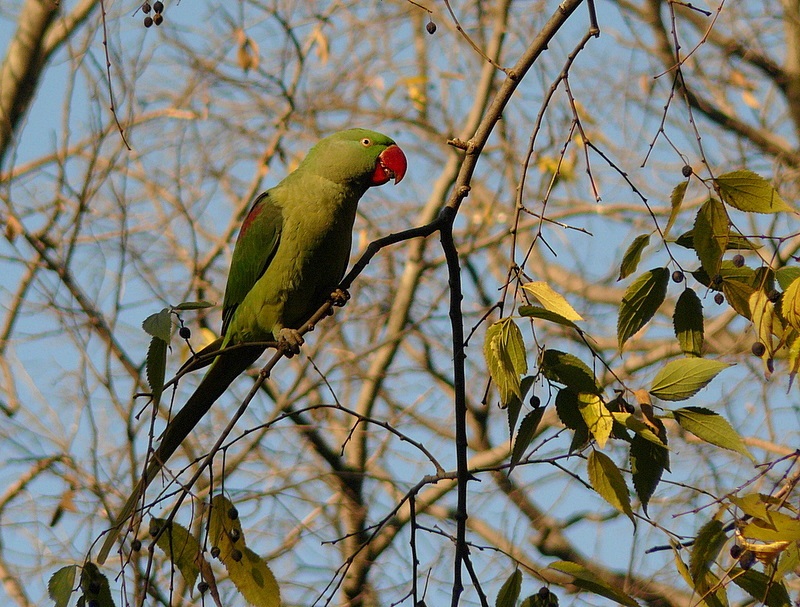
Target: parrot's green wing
255, 248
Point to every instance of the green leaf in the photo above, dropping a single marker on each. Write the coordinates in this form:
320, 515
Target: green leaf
156, 367
682, 378
736, 242
607, 480
181, 548
711, 232
597, 417
688, 323
648, 462
764, 589
527, 431
551, 300
515, 404
641, 301
779, 527
639, 427
159, 325
710, 427
61, 584
504, 351
95, 588
631, 258
676, 200
568, 410
194, 305
248, 571
568, 370
586, 580
787, 275
709, 541
750, 192
789, 561
738, 295
509, 592
537, 312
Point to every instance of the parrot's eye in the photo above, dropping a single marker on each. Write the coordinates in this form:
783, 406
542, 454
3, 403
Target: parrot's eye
366, 142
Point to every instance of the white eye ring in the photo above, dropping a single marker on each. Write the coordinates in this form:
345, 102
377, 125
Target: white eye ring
366, 142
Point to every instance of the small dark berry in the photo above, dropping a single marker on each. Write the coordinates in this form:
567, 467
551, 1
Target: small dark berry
431, 27
202, 587
233, 513
736, 551
235, 534
148, 21
158, 19
544, 592
717, 280
774, 295
758, 349
215, 552
158, 6
185, 332
155, 528
687, 170
136, 545
535, 402
236, 554
146, 8
719, 298
747, 560
738, 260
677, 276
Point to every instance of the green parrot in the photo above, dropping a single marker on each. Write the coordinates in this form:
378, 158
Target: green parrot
290, 255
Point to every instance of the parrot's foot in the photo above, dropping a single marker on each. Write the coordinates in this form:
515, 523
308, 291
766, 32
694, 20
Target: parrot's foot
289, 342
340, 297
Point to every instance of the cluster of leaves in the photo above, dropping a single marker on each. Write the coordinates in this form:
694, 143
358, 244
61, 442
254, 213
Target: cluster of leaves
247, 570
584, 407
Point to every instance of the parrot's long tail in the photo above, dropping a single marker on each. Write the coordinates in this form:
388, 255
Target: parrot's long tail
223, 371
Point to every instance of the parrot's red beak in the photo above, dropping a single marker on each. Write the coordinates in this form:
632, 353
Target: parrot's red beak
391, 164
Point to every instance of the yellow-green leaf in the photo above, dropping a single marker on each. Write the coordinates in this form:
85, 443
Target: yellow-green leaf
598, 419
711, 231
682, 378
790, 304
509, 592
504, 351
181, 548
607, 480
710, 427
640, 302
787, 275
537, 312
586, 580
194, 305
709, 541
676, 200
569, 370
688, 323
61, 584
551, 300
779, 527
748, 191
248, 571
159, 325
631, 258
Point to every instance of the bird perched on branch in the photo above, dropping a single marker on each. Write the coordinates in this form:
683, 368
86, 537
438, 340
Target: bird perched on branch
292, 251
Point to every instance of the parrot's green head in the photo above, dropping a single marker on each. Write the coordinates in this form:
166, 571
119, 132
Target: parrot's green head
356, 157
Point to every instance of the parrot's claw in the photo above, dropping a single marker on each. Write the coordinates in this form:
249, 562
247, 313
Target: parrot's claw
289, 342
340, 297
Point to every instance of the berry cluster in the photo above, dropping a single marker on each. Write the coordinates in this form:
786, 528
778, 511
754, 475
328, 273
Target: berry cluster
157, 8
